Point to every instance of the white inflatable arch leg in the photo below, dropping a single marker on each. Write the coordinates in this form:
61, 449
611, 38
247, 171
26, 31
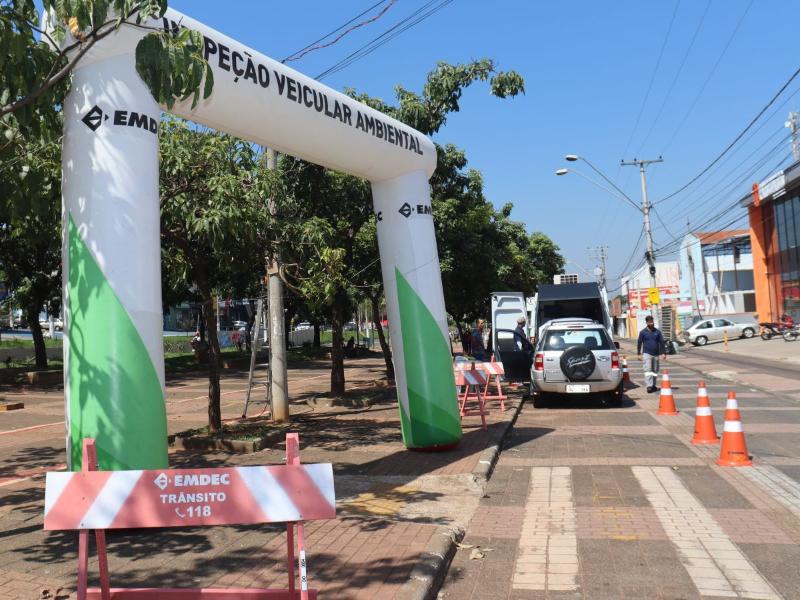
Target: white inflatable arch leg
114, 369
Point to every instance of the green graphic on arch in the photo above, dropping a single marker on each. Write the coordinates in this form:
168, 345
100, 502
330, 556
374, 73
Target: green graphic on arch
432, 419
115, 395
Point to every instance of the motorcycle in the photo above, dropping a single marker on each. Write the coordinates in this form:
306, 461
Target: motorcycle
771, 329
790, 334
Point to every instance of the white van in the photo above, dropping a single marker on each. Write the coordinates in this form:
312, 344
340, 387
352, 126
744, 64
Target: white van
559, 301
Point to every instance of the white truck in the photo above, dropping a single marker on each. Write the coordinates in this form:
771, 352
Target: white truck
557, 301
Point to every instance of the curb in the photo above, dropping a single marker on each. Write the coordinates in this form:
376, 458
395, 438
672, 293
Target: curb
489, 456
428, 574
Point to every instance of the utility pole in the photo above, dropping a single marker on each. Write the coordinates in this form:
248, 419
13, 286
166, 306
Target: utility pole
692, 276
277, 330
650, 254
600, 254
792, 125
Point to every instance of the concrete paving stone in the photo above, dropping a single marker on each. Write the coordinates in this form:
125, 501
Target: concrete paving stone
772, 444
710, 489
778, 564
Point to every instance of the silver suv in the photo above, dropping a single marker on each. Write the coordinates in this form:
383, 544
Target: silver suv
575, 356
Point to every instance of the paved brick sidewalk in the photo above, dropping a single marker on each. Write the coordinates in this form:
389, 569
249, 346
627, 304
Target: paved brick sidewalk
391, 502
587, 502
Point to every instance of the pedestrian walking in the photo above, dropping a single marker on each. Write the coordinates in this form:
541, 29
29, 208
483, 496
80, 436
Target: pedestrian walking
478, 347
652, 342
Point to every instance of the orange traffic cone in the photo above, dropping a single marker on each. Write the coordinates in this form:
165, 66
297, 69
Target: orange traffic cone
733, 452
626, 376
704, 430
666, 403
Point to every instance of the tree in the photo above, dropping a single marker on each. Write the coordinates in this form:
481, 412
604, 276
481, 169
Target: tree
214, 225
329, 209
34, 72
30, 247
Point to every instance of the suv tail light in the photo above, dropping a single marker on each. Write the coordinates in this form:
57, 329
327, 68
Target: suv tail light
615, 360
538, 362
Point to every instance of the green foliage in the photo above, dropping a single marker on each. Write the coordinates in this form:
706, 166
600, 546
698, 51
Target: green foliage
427, 112
34, 76
30, 245
214, 223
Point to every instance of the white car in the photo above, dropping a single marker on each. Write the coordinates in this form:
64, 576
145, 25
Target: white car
714, 330
302, 326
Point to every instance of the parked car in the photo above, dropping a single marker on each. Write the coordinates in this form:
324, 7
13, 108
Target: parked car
575, 356
302, 326
714, 330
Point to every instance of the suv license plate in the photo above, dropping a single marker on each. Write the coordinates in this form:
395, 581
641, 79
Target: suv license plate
578, 389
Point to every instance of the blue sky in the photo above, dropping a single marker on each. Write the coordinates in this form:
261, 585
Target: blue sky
588, 66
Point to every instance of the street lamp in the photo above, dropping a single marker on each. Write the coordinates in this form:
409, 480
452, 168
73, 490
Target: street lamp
644, 208
622, 197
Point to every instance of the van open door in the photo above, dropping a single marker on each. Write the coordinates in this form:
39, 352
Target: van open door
507, 307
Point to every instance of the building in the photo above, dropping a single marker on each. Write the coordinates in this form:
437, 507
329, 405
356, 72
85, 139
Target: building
721, 263
635, 285
773, 208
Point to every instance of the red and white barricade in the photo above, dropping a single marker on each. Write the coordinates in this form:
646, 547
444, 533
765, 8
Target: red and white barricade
494, 371
100, 500
472, 381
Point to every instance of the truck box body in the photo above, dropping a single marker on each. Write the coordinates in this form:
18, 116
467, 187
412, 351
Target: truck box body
571, 300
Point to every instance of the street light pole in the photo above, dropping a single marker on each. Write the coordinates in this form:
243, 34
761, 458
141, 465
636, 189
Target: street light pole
648, 233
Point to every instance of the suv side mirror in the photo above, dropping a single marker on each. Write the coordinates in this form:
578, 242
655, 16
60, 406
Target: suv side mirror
616, 345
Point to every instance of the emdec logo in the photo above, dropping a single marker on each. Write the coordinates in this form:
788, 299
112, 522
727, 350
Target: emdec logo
421, 209
161, 481
94, 118
122, 118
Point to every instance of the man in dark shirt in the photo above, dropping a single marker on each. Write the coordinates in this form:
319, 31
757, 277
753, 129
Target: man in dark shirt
652, 342
521, 337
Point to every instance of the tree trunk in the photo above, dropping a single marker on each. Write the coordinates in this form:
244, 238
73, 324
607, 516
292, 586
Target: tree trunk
387, 352
337, 350
464, 349
317, 339
214, 409
32, 314
251, 320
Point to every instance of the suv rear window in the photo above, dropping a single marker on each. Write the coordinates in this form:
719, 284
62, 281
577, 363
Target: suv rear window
594, 339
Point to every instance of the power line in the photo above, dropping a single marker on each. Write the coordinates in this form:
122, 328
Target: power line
741, 180
301, 53
730, 176
735, 140
777, 108
710, 75
675, 242
652, 78
675, 79
426, 10
327, 35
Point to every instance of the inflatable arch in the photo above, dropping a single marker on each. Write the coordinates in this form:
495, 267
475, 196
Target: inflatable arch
113, 350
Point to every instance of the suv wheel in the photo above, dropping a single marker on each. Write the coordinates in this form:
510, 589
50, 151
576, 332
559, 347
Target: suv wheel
539, 400
701, 340
748, 332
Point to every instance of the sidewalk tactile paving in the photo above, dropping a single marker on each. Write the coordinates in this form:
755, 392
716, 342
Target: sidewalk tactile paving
715, 564
548, 549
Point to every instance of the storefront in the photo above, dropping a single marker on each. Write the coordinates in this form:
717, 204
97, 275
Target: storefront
774, 211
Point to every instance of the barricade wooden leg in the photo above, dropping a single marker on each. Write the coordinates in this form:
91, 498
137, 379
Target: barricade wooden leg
500, 393
301, 561
482, 408
83, 563
89, 456
290, 554
102, 562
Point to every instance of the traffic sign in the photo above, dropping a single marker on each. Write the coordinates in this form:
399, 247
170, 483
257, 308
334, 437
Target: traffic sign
653, 296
